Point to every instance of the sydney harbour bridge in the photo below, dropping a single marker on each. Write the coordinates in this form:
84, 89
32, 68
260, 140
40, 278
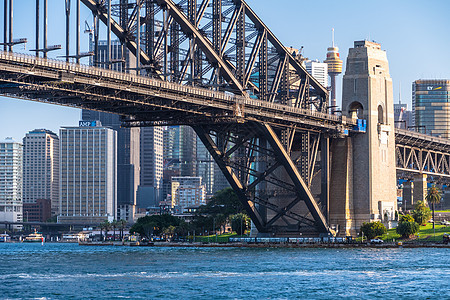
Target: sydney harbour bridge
215, 66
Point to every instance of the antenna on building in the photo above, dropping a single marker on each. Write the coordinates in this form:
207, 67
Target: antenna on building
399, 93
332, 37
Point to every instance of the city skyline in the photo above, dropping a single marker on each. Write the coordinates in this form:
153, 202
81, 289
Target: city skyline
406, 29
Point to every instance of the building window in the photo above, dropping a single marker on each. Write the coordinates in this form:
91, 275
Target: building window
380, 115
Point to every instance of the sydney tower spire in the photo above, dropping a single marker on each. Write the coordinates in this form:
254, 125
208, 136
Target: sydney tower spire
334, 69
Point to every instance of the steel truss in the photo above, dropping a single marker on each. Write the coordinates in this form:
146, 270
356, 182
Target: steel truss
418, 153
266, 177
221, 44
424, 161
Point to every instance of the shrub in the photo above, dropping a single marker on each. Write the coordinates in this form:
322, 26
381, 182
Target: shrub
421, 213
373, 229
407, 226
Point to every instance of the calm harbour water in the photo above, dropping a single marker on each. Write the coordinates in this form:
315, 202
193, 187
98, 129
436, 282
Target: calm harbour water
69, 271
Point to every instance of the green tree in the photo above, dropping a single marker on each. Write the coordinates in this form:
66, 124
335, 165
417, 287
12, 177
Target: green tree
373, 229
105, 226
434, 197
169, 232
407, 226
114, 225
183, 228
240, 223
421, 213
149, 225
122, 224
218, 210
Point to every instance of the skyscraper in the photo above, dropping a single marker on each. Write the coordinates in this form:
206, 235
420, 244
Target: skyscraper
88, 174
430, 98
205, 167
128, 160
139, 150
41, 167
318, 70
402, 116
119, 62
180, 150
151, 167
11, 181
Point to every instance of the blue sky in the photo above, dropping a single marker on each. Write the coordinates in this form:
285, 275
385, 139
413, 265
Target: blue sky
414, 33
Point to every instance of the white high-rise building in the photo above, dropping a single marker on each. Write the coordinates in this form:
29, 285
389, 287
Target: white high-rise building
151, 167
11, 181
318, 70
188, 192
41, 167
88, 174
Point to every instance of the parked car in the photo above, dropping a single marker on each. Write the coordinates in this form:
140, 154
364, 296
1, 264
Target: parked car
446, 223
376, 241
446, 238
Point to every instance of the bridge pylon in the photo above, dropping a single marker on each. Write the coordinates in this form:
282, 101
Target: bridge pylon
363, 173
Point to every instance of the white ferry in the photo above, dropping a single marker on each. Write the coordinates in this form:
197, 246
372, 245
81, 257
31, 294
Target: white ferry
35, 237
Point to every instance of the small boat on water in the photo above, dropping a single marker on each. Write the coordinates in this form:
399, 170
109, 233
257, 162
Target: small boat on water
35, 237
4, 238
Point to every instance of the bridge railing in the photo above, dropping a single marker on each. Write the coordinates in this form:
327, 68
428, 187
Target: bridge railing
232, 99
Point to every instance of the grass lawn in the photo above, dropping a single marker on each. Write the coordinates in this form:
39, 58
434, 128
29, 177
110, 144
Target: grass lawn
425, 234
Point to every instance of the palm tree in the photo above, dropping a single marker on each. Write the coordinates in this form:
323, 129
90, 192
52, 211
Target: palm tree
434, 197
122, 224
105, 225
114, 225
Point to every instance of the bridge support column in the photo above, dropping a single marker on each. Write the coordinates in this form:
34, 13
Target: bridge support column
408, 200
341, 187
369, 175
420, 188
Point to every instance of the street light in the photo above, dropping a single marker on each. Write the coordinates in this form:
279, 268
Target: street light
241, 224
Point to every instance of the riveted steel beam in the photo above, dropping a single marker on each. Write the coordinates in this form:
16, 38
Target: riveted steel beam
281, 49
232, 178
118, 30
301, 187
203, 43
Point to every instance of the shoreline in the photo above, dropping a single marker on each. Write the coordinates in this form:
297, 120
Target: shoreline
270, 245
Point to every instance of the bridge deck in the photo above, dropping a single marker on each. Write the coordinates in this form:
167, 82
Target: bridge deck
420, 140
134, 95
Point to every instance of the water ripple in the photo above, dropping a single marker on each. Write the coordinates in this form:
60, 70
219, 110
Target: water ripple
69, 271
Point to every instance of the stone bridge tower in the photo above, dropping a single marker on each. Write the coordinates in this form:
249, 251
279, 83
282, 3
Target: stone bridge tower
363, 173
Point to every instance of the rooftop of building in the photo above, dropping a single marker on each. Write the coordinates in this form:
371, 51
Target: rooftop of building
367, 44
41, 131
9, 140
91, 124
432, 81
